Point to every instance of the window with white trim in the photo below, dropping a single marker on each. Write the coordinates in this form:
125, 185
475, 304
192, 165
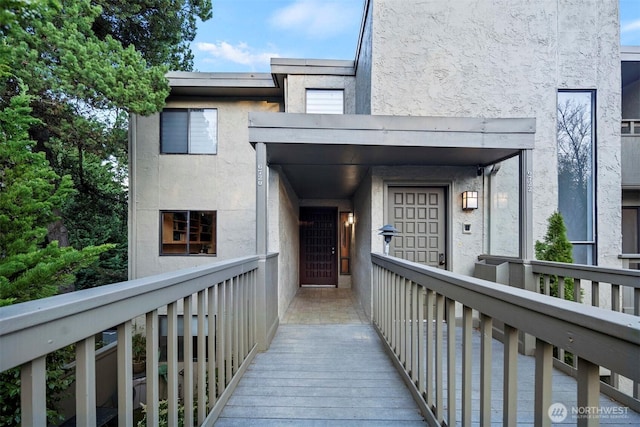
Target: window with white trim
325, 101
189, 131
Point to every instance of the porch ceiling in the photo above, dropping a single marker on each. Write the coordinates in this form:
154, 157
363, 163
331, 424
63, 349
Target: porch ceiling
326, 156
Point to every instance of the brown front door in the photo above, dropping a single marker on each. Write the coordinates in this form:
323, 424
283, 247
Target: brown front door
318, 250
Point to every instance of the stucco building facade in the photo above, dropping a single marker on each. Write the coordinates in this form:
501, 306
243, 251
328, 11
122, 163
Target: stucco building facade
441, 98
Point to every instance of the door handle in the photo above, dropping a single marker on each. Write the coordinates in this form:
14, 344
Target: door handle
333, 251
441, 259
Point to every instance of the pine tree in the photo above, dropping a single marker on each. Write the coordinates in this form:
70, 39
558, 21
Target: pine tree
556, 247
31, 267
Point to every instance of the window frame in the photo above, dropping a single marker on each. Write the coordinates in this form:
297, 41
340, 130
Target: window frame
204, 248
326, 90
590, 244
189, 135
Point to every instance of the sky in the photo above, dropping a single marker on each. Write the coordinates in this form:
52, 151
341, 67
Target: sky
244, 35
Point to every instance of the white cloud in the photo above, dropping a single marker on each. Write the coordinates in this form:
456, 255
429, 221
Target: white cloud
317, 18
241, 53
631, 26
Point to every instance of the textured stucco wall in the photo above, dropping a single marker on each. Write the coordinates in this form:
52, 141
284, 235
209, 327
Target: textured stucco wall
298, 84
363, 66
224, 182
463, 247
284, 236
507, 58
364, 230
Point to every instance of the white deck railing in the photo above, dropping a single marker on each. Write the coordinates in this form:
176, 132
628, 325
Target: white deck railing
407, 296
223, 299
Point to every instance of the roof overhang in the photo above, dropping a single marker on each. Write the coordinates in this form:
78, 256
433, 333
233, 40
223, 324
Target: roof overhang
233, 85
326, 156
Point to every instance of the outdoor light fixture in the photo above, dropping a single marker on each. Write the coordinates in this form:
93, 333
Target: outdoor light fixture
387, 231
470, 200
350, 219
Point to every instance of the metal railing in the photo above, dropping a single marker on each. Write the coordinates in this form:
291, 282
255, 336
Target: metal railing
630, 127
413, 306
222, 297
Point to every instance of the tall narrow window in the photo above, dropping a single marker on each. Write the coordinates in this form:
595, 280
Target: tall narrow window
576, 166
346, 231
189, 131
325, 101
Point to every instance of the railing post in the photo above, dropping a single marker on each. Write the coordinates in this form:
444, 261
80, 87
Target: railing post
125, 375
33, 394
187, 391
467, 385
172, 364
486, 330
544, 364
510, 380
85, 381
264, 323
522, 276
588, 390
153, 395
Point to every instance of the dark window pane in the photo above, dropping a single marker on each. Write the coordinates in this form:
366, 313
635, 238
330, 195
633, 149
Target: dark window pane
174, 132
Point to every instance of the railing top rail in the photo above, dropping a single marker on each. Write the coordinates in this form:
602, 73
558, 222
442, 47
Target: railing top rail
618, 276
629, 256
498, 259
35, 328
569, 325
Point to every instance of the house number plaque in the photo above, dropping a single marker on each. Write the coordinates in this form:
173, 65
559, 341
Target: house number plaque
260, 175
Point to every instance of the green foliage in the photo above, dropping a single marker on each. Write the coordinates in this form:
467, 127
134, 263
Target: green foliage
556, 247
59, 380
63, 149
30, 191
31, 268
163, 414
160, 29
55, 52
84, 84
139, 347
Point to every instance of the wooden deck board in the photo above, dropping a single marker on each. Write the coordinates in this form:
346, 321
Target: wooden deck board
322, 375
337, 374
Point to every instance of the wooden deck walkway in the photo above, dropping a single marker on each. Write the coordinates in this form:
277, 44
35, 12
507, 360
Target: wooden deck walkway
322, 375
329, 368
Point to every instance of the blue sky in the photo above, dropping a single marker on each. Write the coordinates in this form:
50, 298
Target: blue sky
243, 35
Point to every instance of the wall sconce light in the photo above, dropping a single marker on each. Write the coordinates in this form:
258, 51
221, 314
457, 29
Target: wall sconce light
470, 200
350, 219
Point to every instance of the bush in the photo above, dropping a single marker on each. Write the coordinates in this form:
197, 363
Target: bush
556, 247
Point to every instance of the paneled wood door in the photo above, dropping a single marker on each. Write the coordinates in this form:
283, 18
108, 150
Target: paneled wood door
419, 214
318, 238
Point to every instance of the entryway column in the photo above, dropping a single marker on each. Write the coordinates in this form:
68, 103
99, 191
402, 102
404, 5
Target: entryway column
261, 198
526, 279
526, 205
